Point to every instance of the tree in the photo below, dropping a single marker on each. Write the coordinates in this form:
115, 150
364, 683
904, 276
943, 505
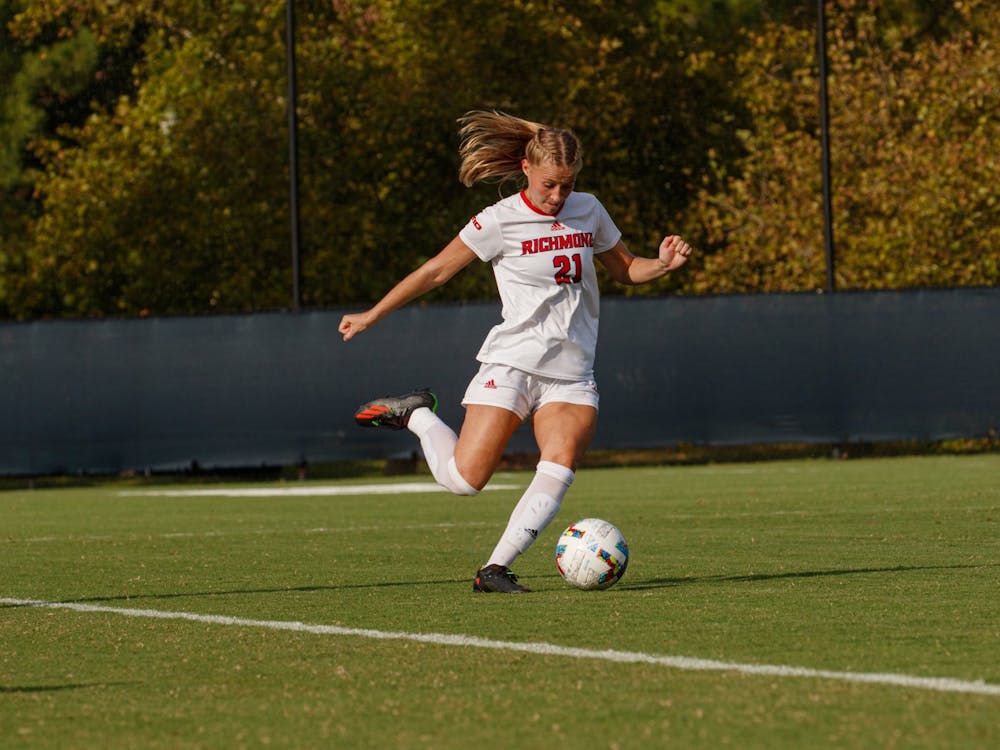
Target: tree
166, 190
44, 83
174, 199
168, 199
612, 73
914, 156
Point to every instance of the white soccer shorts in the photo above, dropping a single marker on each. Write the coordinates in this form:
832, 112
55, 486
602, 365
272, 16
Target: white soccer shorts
523, 393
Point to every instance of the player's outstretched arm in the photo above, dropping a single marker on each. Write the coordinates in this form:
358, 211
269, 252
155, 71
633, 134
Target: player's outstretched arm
432, 274
626, 268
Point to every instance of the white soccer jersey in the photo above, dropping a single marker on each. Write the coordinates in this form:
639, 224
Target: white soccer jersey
544, 267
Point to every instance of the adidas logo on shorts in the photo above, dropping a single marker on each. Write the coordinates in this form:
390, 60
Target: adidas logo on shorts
491, 384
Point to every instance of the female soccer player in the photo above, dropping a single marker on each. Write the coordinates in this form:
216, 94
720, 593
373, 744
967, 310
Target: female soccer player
539, 361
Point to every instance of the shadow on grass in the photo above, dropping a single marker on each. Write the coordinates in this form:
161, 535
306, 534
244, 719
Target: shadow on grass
756, 577
631, 585
243, 592
5, 689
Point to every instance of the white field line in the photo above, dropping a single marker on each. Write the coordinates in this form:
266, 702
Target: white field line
246, 532
308, 490
687, 663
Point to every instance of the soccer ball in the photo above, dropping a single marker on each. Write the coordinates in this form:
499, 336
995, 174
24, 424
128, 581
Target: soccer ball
592, 554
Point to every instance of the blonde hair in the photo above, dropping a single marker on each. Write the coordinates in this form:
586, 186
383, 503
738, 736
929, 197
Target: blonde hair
494, 143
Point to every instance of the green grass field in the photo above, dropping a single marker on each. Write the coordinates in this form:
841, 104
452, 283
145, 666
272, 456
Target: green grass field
876, 577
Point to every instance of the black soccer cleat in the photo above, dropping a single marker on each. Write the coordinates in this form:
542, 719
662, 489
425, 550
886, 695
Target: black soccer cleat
393, 412
497, 578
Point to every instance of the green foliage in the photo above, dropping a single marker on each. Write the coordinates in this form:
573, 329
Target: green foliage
35, 80
913, 151
164, 207
143, 145
50, 81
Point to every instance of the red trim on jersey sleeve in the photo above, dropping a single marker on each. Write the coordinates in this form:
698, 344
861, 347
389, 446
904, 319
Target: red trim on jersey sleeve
533, 207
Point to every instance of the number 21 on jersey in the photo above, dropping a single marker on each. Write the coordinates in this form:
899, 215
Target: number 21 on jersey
569, 268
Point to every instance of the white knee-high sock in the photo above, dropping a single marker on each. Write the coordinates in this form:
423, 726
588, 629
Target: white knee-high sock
438, 443
534, 511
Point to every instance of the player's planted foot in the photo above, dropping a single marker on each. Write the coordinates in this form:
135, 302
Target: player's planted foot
393, 412
497, 578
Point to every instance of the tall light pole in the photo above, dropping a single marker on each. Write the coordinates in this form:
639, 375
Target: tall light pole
293, 154
824, 126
